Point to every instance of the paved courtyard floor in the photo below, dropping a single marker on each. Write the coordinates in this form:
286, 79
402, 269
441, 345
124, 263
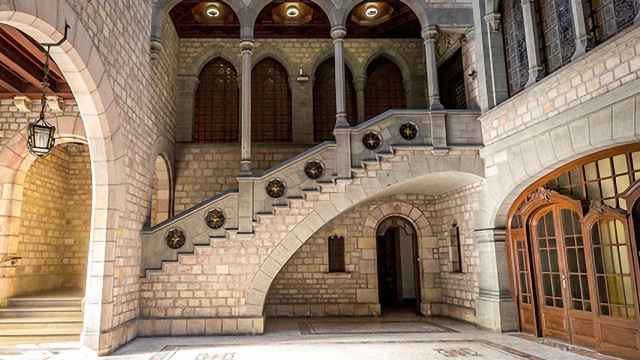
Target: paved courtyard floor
387, 338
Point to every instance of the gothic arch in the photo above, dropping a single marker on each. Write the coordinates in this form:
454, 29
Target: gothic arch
161, 191
207, 55
383, 91
279, 56
327, 53
272, 112
397, 59
81, 64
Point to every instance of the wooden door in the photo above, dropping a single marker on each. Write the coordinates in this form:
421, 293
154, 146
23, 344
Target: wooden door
387, 268
324, 100
271, 103
522, 266
563, 276
384, 89
550, 277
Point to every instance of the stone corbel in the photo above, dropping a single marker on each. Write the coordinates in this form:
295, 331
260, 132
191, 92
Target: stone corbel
55, 104
23, 103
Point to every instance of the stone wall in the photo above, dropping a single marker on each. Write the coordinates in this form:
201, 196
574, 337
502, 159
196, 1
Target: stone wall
56, 216
13, 120
304, 287
603, 69
202, 170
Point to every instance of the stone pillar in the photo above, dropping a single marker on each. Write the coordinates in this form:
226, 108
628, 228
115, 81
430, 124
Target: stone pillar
430, 36
342, 131
531, 37
157, 17
245, 100
245, 180
187, 85
498, 87
580, 28
495, 308
360, 84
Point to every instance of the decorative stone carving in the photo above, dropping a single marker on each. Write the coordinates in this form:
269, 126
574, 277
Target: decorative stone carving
314, 169
371, 140
22, 103
55, 104
175, 239
276, 188
494, 21
408, 131
215, 219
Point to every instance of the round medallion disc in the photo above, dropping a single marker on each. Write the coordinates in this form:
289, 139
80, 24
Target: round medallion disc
313, 169
175, 239
408, 131
371, 140
276, 188
215, 219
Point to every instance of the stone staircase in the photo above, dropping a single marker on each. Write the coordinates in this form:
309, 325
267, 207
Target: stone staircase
41, 318
281, 225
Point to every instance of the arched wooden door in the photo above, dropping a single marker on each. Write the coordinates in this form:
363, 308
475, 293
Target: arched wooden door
270, 102
324, 100
217, 112
562, 268
384, 89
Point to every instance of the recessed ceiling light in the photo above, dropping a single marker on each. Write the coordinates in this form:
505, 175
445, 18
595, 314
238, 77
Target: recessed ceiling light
371, 12
212, 11
292, 11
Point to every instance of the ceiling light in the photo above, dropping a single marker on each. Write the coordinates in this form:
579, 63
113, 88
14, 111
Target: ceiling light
212, 11
371, 12
293, 11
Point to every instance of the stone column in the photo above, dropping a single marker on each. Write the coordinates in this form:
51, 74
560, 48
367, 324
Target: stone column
187, 85
531, 37
360, 84
245, 180
157, 17
245, 100
430, 36
580, 28
342, 131
499, 89
495, 308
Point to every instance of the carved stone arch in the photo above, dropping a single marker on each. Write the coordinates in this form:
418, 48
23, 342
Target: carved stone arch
279, 56
86, 73
163, 150
400, 62
209, 54
418, 7
349, 61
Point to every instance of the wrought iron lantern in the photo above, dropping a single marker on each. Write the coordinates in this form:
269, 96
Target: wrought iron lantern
41, 134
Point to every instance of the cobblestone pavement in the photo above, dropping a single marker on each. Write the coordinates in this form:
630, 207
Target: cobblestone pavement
330, 339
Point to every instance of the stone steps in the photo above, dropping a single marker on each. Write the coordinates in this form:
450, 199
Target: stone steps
44, 317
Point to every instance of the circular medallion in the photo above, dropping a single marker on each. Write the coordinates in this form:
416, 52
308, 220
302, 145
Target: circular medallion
371, 140
408, 131
276, 188
215, 219
313, 169
175, 238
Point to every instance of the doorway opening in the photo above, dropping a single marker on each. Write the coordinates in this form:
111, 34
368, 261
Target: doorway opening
398, 275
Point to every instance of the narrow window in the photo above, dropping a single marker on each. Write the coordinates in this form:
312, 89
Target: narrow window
336, 254
456, 251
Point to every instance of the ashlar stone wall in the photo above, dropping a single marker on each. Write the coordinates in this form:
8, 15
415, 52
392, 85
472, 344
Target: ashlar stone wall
56, 216
202, 170
304, 287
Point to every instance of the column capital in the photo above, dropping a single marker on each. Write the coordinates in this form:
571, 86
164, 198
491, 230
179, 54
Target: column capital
338, 32
430, 33
494, 22
246, 45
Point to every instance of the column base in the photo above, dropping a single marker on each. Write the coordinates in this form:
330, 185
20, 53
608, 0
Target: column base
534, 75
496, 312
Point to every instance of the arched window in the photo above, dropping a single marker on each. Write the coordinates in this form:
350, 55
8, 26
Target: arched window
515, 46
324, 100
271, 102
384, 89
217, 112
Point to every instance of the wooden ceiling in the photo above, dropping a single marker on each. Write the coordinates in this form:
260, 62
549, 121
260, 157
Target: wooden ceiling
188, 26
403, 23
21, 62
318, 27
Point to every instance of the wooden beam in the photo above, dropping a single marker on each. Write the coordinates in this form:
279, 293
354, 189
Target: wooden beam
10, 82
11, 57
32, 47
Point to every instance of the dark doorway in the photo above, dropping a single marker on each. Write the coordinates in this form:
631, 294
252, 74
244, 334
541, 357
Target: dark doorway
398, 275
